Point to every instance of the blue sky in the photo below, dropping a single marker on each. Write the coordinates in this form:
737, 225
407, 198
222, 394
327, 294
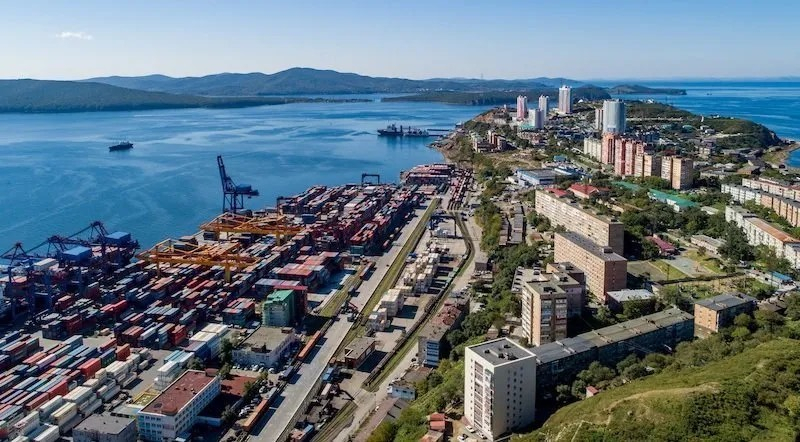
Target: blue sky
590, 39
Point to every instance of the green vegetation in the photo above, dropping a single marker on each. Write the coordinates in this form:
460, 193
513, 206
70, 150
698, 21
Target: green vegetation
35, 96
633, 89
730, 387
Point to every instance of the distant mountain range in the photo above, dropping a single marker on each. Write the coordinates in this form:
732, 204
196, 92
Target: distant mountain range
70, 96
255, 89
306, 81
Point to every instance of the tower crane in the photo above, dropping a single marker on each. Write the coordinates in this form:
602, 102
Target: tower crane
232, 194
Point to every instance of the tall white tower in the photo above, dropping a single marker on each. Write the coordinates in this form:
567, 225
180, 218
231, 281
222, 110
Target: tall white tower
565, 100
613, 116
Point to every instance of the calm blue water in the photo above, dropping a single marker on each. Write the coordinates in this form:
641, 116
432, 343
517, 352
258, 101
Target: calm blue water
57, 174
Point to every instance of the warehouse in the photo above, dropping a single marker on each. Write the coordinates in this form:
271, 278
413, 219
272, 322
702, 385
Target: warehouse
265, 347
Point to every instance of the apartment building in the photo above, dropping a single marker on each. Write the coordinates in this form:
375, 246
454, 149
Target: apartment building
679, 171
431, 343
172, 413
544, 311
712, 314
774, 187
786, 208
760, 232
646, 164
604, 270
593, 148
563, 211
559, 362
499, 387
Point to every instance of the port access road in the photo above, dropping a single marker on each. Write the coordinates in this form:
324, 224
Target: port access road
281, 415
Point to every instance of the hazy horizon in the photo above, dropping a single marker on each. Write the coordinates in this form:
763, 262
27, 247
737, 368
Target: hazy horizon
622, 39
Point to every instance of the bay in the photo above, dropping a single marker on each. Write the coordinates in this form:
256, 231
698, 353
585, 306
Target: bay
58, 176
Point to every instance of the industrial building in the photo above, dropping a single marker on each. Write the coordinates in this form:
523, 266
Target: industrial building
97, 428
264, 347
283, 308
605, 270
535, 177
358, 351
431, 343
712, 314
559, 362
499, 387
562, 211
172, 413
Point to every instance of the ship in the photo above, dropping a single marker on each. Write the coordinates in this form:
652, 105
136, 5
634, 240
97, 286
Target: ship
125, 145
393, 130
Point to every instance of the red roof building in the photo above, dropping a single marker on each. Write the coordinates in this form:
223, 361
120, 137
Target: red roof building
585, 191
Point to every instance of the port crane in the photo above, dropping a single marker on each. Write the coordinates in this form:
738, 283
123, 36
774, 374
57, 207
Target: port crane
222, 254
365, 178
19, 269
277, 225
232, 194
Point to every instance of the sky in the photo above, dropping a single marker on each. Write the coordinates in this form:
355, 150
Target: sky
590, 39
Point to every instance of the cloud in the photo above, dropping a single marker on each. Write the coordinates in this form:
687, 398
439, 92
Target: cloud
74, 35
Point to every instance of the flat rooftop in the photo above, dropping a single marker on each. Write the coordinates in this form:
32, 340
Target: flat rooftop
500, 351
104, 424
604, 253
179, 393
358, 347
725, 301
263, 340
630, 295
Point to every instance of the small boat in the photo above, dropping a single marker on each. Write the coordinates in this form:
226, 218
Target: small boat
393, 130
125, 145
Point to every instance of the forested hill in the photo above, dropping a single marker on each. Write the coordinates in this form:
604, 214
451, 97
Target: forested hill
32, 96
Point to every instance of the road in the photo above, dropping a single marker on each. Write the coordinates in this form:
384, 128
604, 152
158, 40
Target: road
275, 421
367, 401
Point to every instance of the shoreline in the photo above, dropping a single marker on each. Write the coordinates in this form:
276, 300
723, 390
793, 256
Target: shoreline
782, 155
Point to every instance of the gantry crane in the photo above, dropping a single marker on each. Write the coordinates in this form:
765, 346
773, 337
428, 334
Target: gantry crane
277, 225
19, 263
365, 176
222, 254
233, 195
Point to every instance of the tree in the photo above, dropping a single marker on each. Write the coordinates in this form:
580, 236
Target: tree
196, 364
225, 371
385, 432
637, 308
248, 389
744, 320
228, 415
701, 251
793, 306
226, 351
768, 320
564, 394
596, 373
736, 247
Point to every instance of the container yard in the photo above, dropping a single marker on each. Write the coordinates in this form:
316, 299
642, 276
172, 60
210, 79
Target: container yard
182, 296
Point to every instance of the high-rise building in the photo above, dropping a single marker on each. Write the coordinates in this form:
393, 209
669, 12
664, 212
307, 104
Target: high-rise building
613, 116
607, 150
593, 148
536, 118
605, 270
647, 164
679, 171
499, 387
544, 105
522, 107
565, 100
563, 211
544, 311
598, 119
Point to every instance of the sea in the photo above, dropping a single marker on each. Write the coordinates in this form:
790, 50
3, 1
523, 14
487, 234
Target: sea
57, 175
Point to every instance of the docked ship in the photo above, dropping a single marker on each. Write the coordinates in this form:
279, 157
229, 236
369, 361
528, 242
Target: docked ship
125, 145
393, 130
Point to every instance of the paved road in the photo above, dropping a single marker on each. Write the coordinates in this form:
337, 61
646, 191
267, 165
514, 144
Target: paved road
277, 419
367, 401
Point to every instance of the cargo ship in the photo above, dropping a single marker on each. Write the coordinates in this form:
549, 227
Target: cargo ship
393, 130
125, 145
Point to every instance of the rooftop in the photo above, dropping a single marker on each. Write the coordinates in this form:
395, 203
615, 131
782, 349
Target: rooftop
538, 173
725, 301
605, 253
358, 347
264, 339
500, 351
771, 230
630, 295
104, 424
179, 393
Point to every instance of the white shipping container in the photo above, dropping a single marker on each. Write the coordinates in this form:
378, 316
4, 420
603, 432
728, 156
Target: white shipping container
129, 380
27, 424
65, 413
111, 393
20, 439
93, 384
49, 434
84, 405
79, 395
44, 264
101, 374
50, 406
69, 424
91, 407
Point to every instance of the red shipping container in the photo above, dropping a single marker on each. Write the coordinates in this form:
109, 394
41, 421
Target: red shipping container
109, 344
37, 402
90, 367
62, 388
123, 352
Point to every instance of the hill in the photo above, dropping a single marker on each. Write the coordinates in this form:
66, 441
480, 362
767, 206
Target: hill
69, 96
494, 98
304, 81
635, 89
749, 396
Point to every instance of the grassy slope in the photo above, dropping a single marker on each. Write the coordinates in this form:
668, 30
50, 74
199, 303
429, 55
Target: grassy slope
656, 400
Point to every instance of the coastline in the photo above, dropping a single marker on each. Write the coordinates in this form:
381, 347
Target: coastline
782, 155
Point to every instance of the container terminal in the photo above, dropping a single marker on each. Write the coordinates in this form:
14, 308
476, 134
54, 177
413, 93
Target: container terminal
85, 314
